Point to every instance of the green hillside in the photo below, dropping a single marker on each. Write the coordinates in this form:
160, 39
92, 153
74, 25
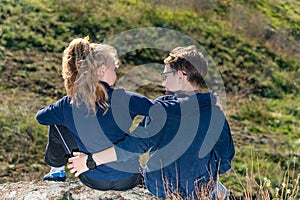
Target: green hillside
255, 45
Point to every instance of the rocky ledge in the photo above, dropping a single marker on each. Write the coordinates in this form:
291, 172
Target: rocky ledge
29, 190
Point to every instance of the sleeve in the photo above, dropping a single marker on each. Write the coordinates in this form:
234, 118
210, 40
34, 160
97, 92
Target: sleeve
141, 140
224, 149
125, 106
52, 114
130, 147
139, 104
135, 143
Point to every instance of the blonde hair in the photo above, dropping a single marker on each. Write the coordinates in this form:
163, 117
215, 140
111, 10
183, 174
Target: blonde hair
191, 61
80, 64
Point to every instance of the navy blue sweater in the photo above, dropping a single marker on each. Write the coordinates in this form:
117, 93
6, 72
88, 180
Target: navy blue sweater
189, 142
97, 132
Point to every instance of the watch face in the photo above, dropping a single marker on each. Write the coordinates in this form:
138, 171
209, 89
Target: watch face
91, 164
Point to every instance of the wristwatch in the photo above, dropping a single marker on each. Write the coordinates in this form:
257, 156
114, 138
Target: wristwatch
90, 163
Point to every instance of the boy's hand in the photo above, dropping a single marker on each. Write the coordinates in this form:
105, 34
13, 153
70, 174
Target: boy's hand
77, 164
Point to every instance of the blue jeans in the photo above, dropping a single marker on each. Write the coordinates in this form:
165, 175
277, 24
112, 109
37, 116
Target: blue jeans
219, 191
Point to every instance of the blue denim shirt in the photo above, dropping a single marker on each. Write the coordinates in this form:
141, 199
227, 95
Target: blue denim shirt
189, 143
97, 132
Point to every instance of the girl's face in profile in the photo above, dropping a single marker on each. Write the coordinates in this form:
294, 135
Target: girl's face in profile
109, 75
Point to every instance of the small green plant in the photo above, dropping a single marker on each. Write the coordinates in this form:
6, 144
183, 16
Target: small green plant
257, 184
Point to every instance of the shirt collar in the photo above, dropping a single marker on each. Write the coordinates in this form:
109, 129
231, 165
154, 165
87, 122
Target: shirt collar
107, 87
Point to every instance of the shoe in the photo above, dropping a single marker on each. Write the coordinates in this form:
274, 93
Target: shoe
55, 176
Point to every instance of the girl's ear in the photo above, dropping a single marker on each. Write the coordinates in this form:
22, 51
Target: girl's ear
101, 72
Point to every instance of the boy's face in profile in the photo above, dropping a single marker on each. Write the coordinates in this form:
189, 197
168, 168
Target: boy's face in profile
171, 80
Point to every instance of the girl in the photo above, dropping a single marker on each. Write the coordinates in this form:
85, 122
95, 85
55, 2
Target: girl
84, 119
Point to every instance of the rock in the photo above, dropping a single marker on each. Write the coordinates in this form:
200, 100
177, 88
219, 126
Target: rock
38, 190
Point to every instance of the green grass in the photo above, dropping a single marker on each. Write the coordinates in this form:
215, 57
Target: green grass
22, 138
255, 45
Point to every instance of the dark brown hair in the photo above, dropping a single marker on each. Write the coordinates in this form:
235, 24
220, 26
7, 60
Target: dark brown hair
190, 60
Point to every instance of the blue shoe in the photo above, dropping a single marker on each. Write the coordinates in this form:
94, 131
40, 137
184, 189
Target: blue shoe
55, 176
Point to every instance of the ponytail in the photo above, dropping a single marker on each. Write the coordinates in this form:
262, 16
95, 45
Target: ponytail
81, 61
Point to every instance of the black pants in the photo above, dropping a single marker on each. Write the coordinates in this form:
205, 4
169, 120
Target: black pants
61, 145
120, 185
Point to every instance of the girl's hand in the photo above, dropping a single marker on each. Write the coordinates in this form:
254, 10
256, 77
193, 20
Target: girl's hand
77, 164
218, 101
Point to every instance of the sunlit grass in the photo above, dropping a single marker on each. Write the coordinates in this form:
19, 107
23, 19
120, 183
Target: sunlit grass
261, 76
23, 140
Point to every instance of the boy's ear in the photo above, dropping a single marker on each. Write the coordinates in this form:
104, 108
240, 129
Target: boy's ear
180, 74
